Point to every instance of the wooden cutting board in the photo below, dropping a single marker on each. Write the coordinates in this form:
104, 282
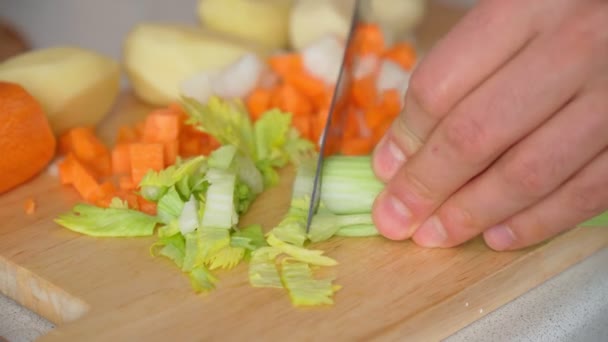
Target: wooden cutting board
113, 290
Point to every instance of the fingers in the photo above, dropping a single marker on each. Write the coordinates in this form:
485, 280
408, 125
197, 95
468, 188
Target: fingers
524, 175
583, 197
473, 50
504, 109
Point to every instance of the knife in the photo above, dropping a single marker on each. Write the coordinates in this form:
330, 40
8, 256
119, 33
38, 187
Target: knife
332, 132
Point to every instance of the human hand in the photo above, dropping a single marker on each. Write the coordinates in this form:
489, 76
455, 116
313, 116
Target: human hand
504, 130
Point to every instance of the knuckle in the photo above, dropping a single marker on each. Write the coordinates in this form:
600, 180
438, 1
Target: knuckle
466, 137
458, 221
527, 177
586, 200
584, 31
425, 93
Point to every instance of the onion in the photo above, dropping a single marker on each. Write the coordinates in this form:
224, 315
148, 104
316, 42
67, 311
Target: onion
323, 58
392, 76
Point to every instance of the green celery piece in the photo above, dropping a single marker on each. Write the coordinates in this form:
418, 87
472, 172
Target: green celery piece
210, 242
226, 258
202, 280
253, 234
171, 247
358, 230
298, 149
191, 251
183, 187
227, 121
270, 133
249, 174
303, 288
188, 219
270, 176
219, 204
107, 222
349, 185
304, 180
263, 271
170, 206
292, 228
154, 184
168, 230
118, 203
314, 257
223, 157
325, 224
193, 166
597, 221
244, 197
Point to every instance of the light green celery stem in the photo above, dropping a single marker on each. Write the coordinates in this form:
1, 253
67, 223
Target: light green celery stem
349, 185
305, 177
600, 220
358, 230
219, 205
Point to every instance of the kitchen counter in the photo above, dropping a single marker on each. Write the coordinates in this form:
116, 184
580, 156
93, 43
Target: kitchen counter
572, 306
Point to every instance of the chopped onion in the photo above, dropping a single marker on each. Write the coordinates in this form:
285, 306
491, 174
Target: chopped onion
392, 76
198, 86
365, 65
240, 78
322, 59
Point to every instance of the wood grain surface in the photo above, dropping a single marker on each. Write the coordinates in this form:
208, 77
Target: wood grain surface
102, 289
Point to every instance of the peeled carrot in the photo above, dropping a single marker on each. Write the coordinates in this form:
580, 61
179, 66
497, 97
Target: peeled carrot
87, 148
303, 123
121, 162
390, 103
145, 157
363, 92
403, 54
83, 179
357, 146
161, 126
288, 99
126, 183
126, 134
285, 63
258, 102
146, 206
306, 84
369, 39
171, 150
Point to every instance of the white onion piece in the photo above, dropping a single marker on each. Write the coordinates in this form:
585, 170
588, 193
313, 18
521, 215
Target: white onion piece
322, 59
365, 66
392, 76
198, 86
240, 78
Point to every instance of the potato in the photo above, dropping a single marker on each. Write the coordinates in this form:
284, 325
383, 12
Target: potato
310, 20
75, 86
158, 57
261, 21
398, 18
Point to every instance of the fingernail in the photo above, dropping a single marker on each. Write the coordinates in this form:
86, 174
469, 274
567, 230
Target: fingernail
392, 217
388, 158
499, 237
431, 233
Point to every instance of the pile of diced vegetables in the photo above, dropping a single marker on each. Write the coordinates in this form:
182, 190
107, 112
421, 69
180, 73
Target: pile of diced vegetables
190, 170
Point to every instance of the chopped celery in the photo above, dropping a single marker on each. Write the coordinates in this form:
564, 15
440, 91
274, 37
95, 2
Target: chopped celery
118, 203
292, 228
349, 185
226, 258
325, 224
314, 257
254, 236
263, 271
169, 229
172, 247
202, 280
271, 135
188, 218
223, 157
155, 184
249, 174
358, 230
190, 252
219, 205
107, 222
210, 242
303, 289
599, 220
170, 206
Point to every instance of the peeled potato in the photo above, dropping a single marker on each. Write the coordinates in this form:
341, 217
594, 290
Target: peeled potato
397, 17
159, 57
311, 20
261, 21
76, 87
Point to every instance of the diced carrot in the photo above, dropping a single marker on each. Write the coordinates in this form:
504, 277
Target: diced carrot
363, 92
285, 63
126, 135
176, 108
146, 206
145, 157
65, 170
121, 163
306, 84
287, 98
374, 117
29, 206
351, 125
303, 124
171, 150
103, 197
369, 39
258, 102
356, 146
84, 181
161, 126
190, 145
139, 129
87, 148
211, 145
129, 197
126, 183
402, 53
390, 103
380, 130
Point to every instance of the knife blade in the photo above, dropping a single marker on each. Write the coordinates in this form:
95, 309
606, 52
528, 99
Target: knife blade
332, 132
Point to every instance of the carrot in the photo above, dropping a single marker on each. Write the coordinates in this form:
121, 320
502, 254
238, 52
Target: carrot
356, 146
287, 98
306, 84
83, 179
285, 63
258, 102
145, 157
303, 124
87, 148
402, 54
129, 197
127, 183
126, 134
146, 206
171, 151
121, 162
369, 39
29, 206
161, 126
363, 92
103, 197
65, 170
